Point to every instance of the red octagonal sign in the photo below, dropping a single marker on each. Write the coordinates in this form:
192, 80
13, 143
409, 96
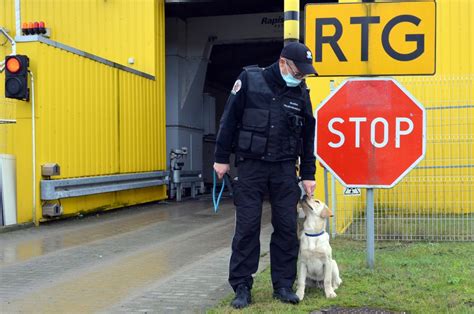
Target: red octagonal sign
370, 132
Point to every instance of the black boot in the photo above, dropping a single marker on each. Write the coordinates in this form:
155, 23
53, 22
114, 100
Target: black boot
286, 295
242, 297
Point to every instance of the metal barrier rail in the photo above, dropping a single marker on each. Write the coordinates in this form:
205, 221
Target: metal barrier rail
190, 178
64, 188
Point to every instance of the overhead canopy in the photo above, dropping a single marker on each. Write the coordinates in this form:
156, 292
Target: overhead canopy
193, 8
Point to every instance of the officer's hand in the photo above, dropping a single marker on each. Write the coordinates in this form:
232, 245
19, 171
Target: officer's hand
221, 169
309, 186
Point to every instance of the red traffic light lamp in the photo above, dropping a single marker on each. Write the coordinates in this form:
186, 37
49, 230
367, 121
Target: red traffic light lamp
16, 77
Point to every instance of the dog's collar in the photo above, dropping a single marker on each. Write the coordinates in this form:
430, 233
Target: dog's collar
314, 234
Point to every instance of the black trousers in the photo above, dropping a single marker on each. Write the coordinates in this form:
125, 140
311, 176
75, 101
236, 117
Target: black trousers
255, 178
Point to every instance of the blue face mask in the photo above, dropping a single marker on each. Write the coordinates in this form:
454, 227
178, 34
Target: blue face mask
290, 80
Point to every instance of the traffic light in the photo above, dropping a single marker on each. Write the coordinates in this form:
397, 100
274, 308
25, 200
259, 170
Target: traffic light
16, 77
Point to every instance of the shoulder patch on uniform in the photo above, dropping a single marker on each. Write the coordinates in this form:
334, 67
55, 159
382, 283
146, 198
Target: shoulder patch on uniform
237, 87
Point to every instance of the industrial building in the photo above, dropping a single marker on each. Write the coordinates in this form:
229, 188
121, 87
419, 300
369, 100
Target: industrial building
116, 86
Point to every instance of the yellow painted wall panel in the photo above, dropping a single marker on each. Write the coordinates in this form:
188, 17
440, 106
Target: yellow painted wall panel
112, 200
22, 152
141, 195
91, 118
140, 133
7, 106
78, 125
114, 30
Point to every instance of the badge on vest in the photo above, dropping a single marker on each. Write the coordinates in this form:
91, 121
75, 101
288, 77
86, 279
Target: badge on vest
237, 87
293, 106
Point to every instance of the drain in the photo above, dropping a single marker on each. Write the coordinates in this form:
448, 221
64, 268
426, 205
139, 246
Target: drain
360, 310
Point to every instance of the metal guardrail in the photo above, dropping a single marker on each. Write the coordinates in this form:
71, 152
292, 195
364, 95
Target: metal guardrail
190, 176
185, 178
64, 188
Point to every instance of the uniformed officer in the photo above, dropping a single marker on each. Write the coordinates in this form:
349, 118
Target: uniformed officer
268, 122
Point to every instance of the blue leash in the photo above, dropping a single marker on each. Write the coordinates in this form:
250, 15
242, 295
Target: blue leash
216, 202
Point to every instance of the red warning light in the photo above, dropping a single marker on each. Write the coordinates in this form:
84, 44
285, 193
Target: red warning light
24, 28
13, 65
31, 28
42, 28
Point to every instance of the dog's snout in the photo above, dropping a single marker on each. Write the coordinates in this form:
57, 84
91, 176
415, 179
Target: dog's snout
305, 196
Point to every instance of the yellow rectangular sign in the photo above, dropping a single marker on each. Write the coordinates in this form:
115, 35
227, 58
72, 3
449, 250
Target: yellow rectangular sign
396, 38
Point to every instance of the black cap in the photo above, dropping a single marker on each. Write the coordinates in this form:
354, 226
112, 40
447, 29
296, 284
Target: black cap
301, 56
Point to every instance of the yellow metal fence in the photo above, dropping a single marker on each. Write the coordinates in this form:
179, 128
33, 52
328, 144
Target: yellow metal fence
435, 201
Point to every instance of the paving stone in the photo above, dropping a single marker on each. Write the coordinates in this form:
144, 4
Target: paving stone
170, 258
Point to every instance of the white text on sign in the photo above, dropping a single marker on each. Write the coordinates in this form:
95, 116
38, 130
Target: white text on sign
364, 22
357, 121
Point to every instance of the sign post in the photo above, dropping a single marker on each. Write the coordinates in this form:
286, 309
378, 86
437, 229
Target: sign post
369, 221
370, 133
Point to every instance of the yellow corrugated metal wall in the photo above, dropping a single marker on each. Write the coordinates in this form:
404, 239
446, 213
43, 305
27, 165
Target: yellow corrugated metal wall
7, 106
449, 145
114, 30
141, 124
91, 118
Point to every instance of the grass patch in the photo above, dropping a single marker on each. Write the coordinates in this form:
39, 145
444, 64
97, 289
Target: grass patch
413, 277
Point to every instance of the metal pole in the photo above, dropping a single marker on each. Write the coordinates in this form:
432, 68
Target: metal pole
333, 185
33, 146
12, 41
333, 205
369, 221
326, 190
178, 192
18, 17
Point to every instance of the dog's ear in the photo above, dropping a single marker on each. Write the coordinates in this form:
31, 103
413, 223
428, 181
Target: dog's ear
326, 212
300, 211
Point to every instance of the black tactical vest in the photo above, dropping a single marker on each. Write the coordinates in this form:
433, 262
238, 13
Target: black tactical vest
271, 125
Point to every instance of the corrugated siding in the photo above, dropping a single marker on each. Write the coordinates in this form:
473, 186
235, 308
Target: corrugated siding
78, 114
160, 77
443, 182
139, 124
7, 106
92, 119
115, 30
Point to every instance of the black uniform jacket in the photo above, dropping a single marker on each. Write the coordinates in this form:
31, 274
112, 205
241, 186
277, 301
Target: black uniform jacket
264, 119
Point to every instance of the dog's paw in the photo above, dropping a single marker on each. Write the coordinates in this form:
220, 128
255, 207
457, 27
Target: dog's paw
336, 283
331, 294
300, 294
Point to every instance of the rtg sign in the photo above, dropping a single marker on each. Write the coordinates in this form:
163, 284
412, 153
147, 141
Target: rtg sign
350, 39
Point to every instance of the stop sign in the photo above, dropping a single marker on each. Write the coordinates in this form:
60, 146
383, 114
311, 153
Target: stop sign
370, 132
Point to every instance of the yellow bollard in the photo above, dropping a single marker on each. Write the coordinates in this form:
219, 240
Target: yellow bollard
291, 24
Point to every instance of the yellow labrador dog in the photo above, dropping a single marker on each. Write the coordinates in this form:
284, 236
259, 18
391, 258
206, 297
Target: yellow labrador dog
315, 257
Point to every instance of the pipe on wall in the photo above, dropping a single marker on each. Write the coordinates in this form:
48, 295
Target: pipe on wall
18, 17
13, 43
33, 147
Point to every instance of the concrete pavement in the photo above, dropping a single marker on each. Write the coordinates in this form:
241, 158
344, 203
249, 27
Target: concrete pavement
157, 258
